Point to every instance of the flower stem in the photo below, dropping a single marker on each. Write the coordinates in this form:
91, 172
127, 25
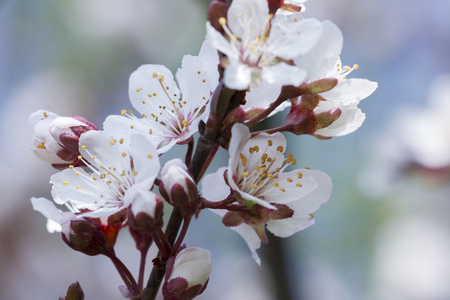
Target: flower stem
181, 236
126, 275
266, 112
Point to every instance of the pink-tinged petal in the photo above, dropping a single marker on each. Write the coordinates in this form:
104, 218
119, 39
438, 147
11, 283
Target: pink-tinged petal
322, 58
237, 76
289, 40
351, 118
49, 210
283, 74
350, 90
255, 10
303, 207
214, 187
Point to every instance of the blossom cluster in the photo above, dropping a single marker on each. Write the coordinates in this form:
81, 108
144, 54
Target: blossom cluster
259, 57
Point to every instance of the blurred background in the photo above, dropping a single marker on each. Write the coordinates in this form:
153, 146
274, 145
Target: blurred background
385, 232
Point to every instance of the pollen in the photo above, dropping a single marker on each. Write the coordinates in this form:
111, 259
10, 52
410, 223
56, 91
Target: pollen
299, 185
80, 157
150, 156
289, 180
150, 131
45, 114
270, 142
204, 80
282, 189
138, 89
311, 215
355, 66
154, 75
143, 101
132, 126
198, 72
112, 142
300, 175
65, 183
121, 141
123, 112
124, 154
222, 21
83, 147
71, 167
280, 149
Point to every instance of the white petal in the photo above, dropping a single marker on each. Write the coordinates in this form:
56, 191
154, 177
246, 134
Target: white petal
195, 87
192, 264
219, 42
322, 58
303, 207
237, 76
261, 96
145, 161
257, 10
49, 210
288, 182
350, 119
350, 90
290, 40
210, 60
283, 74
41, 115
214, 187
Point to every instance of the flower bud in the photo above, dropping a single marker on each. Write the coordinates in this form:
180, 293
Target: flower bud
55, 138
146, 212
84, 235
74, 292
178, 187
187, 274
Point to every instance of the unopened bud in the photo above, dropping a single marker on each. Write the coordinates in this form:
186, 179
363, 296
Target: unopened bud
74, 292
178, 187
146, 212
187, 274
55, 138
84, 235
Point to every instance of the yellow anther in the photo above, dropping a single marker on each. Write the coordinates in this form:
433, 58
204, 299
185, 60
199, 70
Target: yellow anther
94, 157
198, 72
78, 186
154, 94
280, 149
112, 142
78, 173
282, 189
184, 123
83, 147
293, 161
222, 21
289, 180
307, 168
254, 186
124, 154
269, 175
132, 126
121, 141
346, 68
289, 156
203, 80
150, 131
154, 75
299, 185
143, 101
79, 157
270, 142
275, 184
138, 89
300, 175
245, 174
41, 146
160, 77
45, 114
94, 178
65, 183
256, 148
355, 66
149, 156
71, 167
123, 112
243, 159
134, 173
311, 215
